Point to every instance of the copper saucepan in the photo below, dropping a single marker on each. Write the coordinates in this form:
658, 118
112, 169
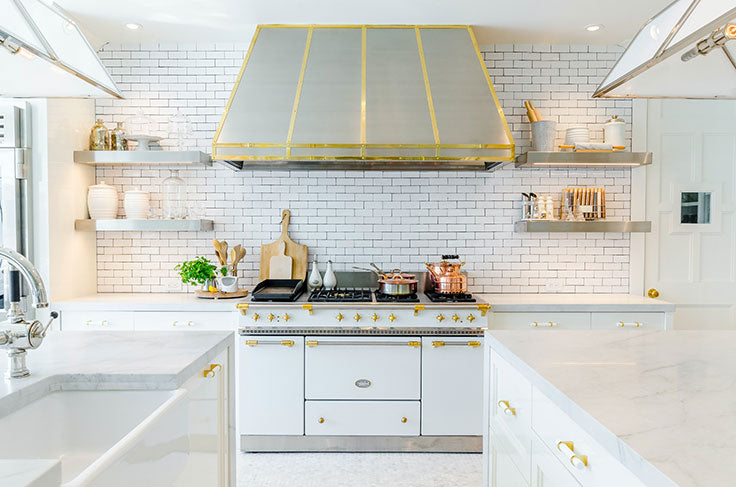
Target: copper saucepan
446, 276
395, 283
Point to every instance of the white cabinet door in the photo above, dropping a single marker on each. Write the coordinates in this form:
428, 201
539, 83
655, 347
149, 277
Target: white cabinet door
271, 385
362, 418
501, 469
452, 386
628, 321
547, 471
97, 320
362, 367
184, 320
539, 321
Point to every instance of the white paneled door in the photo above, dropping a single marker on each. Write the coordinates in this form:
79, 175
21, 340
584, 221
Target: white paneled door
690, 199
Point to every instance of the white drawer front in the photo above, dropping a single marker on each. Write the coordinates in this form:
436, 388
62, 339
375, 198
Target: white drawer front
370, 418
184, 320
540, 321
628, 321
271, 385
452, 386
511, 407
97, 320
362, 368
591, 464
502, 470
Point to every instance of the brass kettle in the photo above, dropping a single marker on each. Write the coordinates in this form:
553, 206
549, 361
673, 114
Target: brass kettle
446, 276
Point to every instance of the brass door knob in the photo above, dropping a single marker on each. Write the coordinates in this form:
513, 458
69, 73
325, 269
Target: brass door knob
339, 317
403, 420
321, 420
653, 293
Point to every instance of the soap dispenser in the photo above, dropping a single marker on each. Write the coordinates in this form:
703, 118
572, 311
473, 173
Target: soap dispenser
315, 279
330, 277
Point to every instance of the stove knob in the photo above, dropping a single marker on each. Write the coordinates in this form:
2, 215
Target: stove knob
440, 318
471, 318
357, 317
286, 317
374, 317
256, 316
455, 318
270, 317
339, 317
391, 317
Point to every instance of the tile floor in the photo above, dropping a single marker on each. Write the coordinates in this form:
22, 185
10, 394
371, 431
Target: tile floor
359, 469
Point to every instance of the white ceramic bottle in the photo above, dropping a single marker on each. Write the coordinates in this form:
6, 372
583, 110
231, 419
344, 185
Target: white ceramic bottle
330, 278
315, 278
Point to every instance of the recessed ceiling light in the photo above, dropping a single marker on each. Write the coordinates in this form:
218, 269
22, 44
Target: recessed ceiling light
133, 26
593, 27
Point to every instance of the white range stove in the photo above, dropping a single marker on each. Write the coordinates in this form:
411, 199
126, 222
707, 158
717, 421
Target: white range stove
347, 371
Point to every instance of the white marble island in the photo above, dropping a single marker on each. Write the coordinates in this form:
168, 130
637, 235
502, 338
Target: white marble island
611, 408
117, 394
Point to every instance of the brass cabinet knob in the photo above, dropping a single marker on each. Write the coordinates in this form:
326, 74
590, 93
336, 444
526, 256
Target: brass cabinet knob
173, 323
653, 293
440, 318
403, 420
270, 317
286, 317
455, 318
339, 317
507, 409
321, 420
357, 317
374, 317
256, 316
391, 317
190, 323
471, 318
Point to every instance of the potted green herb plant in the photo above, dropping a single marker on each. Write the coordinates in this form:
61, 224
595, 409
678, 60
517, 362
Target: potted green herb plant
198, 271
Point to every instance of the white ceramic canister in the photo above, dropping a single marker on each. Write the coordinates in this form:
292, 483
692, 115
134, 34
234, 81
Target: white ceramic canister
102, 201
136, 204
614, 132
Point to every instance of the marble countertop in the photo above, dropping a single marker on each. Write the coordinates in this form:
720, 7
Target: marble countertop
662, 402
140, 360
499, 302
575, 302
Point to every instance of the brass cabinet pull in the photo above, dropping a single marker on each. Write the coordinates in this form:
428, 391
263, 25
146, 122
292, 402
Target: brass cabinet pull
287, 343
210, 372
414, 344
653, 293
474, 344
622, 324
251, 343
568, 448
544, 324
403, 419
507, 409
321, 420
438, 344
311, 343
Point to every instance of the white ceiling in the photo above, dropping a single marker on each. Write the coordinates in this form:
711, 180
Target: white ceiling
494, 21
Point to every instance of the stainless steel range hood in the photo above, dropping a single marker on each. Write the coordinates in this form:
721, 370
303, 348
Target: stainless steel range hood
363, 97
685, 51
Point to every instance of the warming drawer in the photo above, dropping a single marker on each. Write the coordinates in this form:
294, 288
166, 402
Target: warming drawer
361, 418
362, 368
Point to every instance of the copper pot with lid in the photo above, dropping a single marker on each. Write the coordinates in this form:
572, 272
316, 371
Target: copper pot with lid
446, 276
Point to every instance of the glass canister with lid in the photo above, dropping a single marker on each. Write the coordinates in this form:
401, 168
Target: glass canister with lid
174, 204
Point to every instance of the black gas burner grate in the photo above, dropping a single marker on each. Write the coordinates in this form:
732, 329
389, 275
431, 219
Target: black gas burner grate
387, 298
436, 297
341, 296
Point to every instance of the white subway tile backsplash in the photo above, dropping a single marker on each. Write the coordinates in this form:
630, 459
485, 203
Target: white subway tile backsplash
353, 218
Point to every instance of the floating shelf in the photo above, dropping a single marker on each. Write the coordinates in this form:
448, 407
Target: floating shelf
592, 226
134, 157
583, 159
124, 225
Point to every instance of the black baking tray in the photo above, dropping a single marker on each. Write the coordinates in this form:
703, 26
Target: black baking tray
278, 290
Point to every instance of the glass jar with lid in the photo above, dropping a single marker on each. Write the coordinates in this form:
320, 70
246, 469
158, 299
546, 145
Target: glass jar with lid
174, 197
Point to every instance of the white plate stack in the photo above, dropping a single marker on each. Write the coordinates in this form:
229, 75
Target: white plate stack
577, 135
137, 205
102, 202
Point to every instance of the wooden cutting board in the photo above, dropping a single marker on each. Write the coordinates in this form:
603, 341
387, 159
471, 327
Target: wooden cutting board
297, 252
280, 265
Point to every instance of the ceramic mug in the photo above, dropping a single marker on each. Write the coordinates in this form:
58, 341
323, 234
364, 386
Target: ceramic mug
227, 284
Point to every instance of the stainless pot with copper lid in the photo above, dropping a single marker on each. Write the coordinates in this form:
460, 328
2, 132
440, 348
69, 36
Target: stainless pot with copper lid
446, 276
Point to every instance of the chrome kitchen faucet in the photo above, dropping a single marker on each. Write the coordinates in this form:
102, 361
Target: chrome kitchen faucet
16, 334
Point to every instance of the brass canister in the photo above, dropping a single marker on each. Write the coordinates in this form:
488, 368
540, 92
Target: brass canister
99, 137
117, 138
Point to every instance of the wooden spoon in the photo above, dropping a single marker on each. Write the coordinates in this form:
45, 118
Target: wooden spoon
236, 255
218, 252
223, 251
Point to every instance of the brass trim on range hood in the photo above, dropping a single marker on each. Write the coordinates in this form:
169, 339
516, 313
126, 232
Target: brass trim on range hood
484, 148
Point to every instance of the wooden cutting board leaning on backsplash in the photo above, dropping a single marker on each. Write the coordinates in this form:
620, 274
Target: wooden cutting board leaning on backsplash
297, 252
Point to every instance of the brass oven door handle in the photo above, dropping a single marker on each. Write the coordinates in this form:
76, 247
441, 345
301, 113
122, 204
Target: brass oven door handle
354, 343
